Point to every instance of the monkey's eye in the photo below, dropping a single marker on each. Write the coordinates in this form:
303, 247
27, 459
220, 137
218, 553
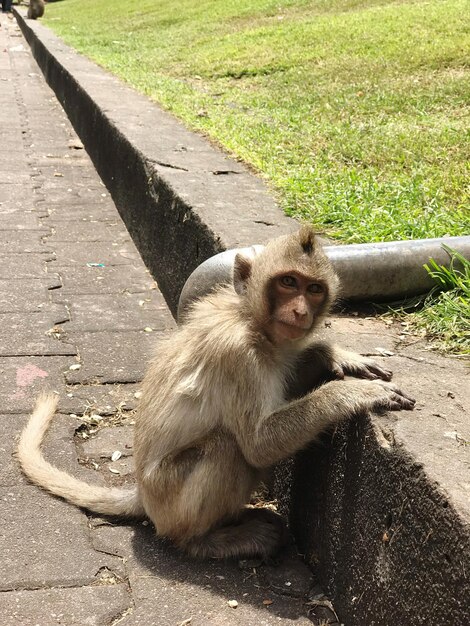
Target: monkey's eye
288, 281
315, 288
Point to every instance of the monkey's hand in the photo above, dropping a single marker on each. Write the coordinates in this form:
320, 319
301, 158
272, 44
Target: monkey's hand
375, 396
344, 362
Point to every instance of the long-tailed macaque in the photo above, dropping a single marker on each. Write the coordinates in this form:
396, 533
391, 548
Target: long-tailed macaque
35, 9
213, 413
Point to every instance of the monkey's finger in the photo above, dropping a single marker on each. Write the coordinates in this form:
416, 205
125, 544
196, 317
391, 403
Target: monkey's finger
338, 372
394, 406
379, 372
396, 389
404, 401
367, 373
399, 392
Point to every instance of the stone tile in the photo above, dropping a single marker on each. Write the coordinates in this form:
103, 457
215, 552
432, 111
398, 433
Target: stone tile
173, 587
103, 445
102, 399
22, 379
12, 177
366, 336
14, 196
102, 280
93, 211
31, 265
51, 546
109, 232
117, 312
20, 220
111, 357
13, 160
79, 254
35, 333
23, 241
69, 195
107, 441
90, 606
26, 295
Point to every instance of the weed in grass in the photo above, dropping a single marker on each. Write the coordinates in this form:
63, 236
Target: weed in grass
444, 315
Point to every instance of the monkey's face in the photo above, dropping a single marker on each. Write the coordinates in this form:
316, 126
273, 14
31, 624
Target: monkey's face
295, 301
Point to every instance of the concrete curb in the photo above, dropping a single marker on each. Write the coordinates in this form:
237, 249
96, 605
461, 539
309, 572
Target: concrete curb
179, 211
378, 487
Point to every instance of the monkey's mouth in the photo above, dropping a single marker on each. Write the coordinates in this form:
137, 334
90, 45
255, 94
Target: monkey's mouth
290, 331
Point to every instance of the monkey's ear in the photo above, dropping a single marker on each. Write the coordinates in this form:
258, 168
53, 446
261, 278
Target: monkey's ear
241, 273
307, 238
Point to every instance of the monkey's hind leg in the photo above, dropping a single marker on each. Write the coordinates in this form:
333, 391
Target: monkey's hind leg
256, 533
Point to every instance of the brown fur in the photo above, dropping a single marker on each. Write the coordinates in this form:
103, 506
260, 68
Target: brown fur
214, 414
36, 9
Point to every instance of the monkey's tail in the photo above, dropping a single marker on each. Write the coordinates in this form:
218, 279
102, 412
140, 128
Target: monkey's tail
102, 500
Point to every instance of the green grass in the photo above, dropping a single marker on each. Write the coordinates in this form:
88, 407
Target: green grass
444, 315
355, 111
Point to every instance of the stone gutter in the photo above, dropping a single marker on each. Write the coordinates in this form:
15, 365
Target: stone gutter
383, 509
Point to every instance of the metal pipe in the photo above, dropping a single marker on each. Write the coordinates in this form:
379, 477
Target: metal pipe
391, 270
371, 271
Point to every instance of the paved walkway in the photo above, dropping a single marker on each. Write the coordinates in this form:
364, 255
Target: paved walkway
79, 314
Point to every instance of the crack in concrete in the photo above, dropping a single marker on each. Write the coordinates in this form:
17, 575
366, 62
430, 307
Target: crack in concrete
169, 165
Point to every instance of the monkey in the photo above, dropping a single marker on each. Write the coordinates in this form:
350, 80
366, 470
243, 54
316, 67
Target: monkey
215, 414
35, 9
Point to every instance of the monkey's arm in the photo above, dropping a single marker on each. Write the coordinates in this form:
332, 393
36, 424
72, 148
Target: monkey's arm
291, 428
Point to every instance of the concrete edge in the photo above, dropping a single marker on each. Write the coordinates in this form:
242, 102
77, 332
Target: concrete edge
386, 541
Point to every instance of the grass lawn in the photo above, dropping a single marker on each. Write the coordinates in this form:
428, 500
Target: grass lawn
355, 111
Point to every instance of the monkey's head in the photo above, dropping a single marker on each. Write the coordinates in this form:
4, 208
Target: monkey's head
288, 288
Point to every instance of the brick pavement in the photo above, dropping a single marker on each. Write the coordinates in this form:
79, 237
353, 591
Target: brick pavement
76, 306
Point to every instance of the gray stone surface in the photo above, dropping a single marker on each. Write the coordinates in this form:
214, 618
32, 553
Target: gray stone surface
90, 606
17, 221
27, 294
182, 588
101, 447
100, 280
79, 254
51, 547
116, 312
24, 241
111, 357
35, 333
23, 378
99, 398
31, 265
109, 231
97, 211
382, 506
107, 441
